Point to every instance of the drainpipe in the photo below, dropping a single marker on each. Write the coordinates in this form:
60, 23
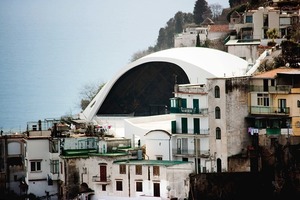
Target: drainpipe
170, 148
196, 146
128, 180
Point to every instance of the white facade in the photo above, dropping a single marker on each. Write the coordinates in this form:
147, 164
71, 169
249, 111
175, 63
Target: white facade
190, 130
244, 49
188, 37
38, 162
158, 145
195, 61
114, 176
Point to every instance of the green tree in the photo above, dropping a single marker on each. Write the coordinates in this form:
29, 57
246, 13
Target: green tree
200, 9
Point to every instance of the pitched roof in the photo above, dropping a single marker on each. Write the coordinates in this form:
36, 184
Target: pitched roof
219, 28
274, 72
207, 21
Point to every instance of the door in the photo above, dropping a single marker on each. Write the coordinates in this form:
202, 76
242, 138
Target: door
196, 105
266, 86
178, 146
184, 125
156, 188
103, 173
196, 125
282, 105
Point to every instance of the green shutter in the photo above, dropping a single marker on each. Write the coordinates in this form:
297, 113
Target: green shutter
173, 126
183, 103
196, 125
196, 105
184, 125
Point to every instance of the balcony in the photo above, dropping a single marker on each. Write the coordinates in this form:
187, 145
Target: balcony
274, 131
202, 132
101, 180
202, 111
269, 110
283, 89
191, 153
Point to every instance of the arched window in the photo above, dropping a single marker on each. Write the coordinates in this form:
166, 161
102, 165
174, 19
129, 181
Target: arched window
218, 133
217, 91
217, 113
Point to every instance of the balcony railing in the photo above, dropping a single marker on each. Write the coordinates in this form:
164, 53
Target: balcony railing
203, 111
273, 131
191, 132
269, 110
271, 89
101, 180
190, 152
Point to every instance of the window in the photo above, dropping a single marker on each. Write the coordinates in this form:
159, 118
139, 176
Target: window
184, 159
184, 125
218, 133
217, 92
122, 169
196, 126
185, 147
249, 19
155, 170
35, 166
138, 169
217, 113
139, 186
54, 166
53, 146
119, 186
298, 103
266, 20
103, 187
158, 157
263, 100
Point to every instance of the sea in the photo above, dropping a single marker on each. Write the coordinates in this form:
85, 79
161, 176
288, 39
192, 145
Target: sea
43, 67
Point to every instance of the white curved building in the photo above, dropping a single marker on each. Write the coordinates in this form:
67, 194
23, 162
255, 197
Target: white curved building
144, 87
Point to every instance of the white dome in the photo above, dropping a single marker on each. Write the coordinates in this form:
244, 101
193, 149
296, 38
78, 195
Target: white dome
198, 63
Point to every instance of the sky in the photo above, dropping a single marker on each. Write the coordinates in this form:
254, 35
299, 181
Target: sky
53, 48
114, 30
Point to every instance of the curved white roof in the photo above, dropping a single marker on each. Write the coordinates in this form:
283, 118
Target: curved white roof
197, 62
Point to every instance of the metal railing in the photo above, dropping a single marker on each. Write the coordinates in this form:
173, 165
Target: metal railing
100, 179
269, 110
190, 152
271, 89
202, 111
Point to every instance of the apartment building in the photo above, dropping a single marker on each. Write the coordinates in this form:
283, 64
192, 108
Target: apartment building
275, 103
41, 161
190, 129
188, 37
249, 29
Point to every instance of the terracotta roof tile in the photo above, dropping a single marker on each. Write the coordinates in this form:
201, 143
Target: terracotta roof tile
219, 28
273, 73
